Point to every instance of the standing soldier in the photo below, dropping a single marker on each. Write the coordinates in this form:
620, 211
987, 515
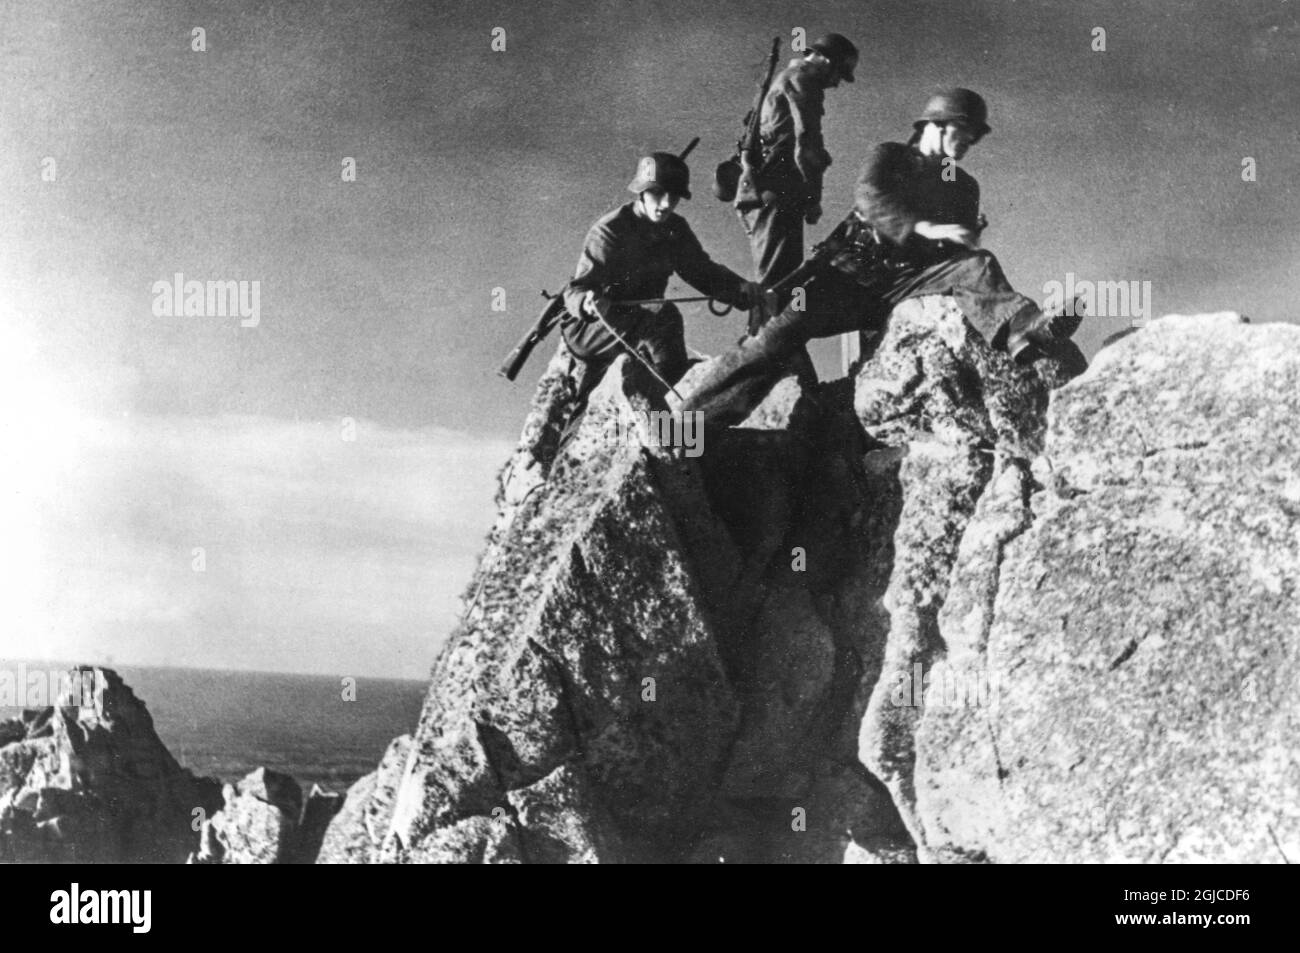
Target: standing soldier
914, 231
629, 255
794, 157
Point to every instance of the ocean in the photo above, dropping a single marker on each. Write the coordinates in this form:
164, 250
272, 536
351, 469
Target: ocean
224, 724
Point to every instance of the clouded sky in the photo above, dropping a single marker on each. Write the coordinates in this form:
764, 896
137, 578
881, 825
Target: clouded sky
143, 437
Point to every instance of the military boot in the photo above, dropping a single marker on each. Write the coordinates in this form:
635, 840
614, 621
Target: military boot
1033, 331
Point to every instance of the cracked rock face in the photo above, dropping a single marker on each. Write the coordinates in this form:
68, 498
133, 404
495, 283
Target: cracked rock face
668, 659
918, 615
942, 410
583, 683
1136, 616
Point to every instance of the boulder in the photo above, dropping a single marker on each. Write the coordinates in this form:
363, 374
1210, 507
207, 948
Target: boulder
1130, 600
940, 408
257, 823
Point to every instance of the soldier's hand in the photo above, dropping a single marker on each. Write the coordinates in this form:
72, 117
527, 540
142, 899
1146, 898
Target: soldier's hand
596, 306
813, 214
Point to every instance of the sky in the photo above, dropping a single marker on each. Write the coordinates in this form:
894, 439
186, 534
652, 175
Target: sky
137, 438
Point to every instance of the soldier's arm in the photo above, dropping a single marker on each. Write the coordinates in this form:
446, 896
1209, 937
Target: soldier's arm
970, 204
964, 228
881, 198
704, 274
807, 105
593, 270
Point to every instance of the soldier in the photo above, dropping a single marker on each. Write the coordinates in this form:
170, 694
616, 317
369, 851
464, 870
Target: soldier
794, 156
914, 231
630, 254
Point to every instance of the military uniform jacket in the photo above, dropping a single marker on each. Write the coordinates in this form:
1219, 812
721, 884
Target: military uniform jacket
899, 187
790, 128
628, 257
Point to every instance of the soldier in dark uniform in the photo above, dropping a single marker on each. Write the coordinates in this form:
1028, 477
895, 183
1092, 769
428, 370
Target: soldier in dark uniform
630, 254
914, 231
794, 156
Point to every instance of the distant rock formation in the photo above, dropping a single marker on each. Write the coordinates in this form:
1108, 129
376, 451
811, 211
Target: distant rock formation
88, 780
93, 783
265, 820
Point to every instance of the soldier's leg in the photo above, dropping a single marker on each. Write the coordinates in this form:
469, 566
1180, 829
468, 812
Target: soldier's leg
776, 242
976, 280
594, 350
737, 381
663, 340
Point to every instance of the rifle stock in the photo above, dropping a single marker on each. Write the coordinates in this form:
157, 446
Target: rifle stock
543, 326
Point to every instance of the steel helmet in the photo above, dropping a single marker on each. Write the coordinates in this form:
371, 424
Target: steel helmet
957, 103
665, 170
840, 51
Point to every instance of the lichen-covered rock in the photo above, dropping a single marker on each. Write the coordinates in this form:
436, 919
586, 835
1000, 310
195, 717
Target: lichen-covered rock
1133, 606
668, 658
940, 407
585, 647
94, 783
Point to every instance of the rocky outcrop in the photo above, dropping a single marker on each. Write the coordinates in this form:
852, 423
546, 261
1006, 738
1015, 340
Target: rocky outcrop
666, 657
88, 780
948, 609
1130, 603
943, 411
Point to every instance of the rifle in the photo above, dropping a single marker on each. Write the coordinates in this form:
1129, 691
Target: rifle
551, 315
840, 238
736, 175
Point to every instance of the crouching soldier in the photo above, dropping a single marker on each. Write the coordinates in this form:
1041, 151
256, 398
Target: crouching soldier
914, 231
629, 255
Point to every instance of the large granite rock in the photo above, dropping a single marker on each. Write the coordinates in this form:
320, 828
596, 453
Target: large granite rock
1131, 602
666, 657
940, 408
583, 673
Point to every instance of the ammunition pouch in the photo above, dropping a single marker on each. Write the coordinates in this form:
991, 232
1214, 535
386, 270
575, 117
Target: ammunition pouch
774, 176
726, 177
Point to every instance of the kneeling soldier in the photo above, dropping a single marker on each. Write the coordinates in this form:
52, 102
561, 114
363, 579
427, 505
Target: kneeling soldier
629, 255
